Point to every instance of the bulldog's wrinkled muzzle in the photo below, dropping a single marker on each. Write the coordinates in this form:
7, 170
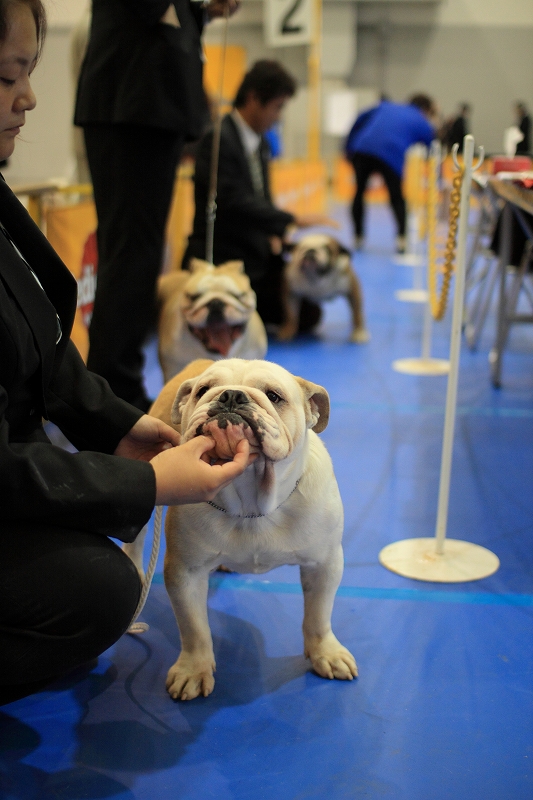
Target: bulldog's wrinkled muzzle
230, 419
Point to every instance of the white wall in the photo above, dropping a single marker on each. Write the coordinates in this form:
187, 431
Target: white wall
64, 13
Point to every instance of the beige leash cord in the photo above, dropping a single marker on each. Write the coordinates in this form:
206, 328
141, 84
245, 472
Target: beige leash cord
141, 627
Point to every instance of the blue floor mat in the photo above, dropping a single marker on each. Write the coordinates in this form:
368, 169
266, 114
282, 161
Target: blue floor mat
443, 707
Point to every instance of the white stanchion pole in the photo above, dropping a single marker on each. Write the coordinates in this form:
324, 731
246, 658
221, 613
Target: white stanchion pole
413, 258
439, 559
426, 333
425, 365
455, 346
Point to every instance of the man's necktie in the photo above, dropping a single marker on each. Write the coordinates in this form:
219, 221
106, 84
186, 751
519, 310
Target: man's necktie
256, 171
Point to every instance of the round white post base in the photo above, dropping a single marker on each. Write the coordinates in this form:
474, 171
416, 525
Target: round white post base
418, 559
422, 366
411, 295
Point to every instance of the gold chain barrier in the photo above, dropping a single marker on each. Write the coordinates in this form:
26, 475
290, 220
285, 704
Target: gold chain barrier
439, 300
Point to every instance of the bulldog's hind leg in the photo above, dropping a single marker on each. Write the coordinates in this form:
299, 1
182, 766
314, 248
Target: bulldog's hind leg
192, 673
291, 313
328, 656
359, 334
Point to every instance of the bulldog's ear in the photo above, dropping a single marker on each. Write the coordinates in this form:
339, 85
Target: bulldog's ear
316, 405
197, 263
233, 266
181, 398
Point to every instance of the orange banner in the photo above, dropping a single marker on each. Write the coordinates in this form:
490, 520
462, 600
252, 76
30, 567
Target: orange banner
300, 186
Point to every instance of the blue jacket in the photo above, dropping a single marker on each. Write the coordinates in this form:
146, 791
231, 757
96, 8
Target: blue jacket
387, 131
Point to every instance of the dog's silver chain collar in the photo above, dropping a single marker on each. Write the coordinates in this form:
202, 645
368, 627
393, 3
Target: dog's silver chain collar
251, 516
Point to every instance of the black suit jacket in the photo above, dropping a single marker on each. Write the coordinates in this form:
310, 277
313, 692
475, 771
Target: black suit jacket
40, 483
525, 126
138, 70
244, 220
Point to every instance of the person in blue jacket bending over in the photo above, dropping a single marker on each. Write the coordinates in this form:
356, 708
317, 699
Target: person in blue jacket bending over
378, 142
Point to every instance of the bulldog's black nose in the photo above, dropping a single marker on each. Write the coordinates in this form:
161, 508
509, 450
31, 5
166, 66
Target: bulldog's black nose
216, 311
231, 399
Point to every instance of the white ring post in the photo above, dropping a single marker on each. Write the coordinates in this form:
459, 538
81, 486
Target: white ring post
438, 559
415, 259
425, 365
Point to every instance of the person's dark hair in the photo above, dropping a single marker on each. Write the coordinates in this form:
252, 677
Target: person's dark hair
268, 80
39, 15
422, 102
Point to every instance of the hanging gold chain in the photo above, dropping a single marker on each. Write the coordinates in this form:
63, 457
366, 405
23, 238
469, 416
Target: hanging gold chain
439, 300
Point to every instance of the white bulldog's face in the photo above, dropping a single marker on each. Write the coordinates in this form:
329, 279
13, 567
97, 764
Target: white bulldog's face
217, 303
256, 400
316, 255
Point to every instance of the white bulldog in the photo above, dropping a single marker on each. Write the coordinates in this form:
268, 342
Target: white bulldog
284, 509
207, 312
320, 269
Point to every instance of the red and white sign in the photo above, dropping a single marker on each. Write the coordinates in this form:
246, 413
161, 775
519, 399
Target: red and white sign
87, 279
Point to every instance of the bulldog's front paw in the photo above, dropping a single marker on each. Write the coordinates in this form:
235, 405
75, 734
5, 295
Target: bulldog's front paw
331, 660
190, 677
360, 336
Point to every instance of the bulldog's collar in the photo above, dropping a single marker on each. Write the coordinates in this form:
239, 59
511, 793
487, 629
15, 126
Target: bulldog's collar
251, 516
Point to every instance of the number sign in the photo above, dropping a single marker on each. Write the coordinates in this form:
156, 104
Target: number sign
288, 22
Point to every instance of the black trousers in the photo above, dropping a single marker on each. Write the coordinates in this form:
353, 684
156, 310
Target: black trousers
364, 166
133, 172
65, 597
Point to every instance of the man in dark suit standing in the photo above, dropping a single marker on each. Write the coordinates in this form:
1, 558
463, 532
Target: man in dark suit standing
457, 128
248, 225
139, 98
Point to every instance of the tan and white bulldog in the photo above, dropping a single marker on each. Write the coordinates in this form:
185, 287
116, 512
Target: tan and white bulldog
284, 509
208, 312
320, 269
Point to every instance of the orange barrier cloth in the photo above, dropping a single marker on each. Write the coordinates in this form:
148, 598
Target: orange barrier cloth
234, 69
300, 186
181, 216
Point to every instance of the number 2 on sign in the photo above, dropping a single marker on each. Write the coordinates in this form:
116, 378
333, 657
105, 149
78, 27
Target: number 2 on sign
286, 25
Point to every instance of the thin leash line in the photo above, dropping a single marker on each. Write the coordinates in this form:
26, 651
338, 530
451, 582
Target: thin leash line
141, 627
211, 209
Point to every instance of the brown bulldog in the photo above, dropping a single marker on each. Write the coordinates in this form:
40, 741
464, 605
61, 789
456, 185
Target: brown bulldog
208, 312
320, 269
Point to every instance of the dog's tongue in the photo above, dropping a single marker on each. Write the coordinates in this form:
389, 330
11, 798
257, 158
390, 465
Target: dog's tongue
228, 437
217, 338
